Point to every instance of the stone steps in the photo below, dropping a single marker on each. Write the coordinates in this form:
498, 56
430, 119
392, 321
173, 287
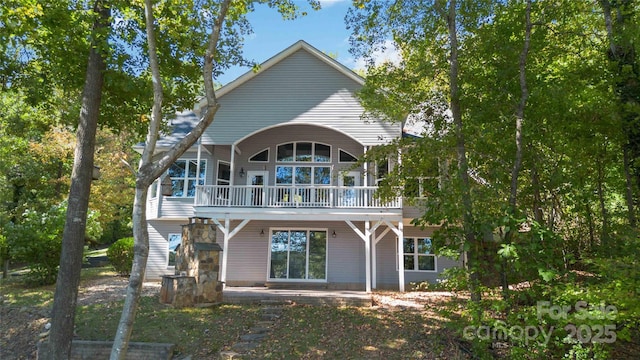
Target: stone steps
271, 311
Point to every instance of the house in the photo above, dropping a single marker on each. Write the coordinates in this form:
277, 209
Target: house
275, 172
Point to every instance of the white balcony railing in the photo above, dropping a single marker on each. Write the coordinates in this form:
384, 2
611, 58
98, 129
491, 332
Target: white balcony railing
291, 196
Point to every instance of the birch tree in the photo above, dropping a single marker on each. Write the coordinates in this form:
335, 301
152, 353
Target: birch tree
224, 16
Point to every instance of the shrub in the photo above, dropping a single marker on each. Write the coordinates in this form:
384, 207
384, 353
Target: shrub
120, 255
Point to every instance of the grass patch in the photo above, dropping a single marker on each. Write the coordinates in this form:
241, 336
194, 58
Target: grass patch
315, 332
201, 332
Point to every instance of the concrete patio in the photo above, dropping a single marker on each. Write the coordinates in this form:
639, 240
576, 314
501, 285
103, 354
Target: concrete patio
257, 295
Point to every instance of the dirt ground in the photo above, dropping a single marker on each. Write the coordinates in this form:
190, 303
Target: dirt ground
21, 328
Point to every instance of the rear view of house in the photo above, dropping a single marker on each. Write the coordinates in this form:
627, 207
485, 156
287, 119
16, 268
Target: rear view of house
276, 173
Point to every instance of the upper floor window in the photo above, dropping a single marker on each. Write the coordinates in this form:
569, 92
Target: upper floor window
224, 173
382, 170
303, 152
262, 156
418, 254
345, 157
420, 187
184, 177
303, 175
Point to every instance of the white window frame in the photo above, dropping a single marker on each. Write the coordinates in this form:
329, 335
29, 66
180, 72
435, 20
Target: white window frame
186, 178
416, 255
326, 259
302, 165
313, 153
219, 180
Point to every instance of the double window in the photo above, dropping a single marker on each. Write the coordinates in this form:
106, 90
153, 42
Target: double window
418, 254
184, 177
298, 255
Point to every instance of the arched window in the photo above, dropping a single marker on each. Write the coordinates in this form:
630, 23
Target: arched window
261, 156
304, 152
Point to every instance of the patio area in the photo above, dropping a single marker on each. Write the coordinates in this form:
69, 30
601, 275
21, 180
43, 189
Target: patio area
257, 295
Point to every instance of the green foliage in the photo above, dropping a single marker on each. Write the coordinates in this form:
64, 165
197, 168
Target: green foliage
36, 240
120, 255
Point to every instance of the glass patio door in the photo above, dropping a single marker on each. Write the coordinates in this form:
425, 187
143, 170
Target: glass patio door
298, 255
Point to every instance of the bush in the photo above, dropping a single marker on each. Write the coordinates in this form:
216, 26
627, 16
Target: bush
120, 255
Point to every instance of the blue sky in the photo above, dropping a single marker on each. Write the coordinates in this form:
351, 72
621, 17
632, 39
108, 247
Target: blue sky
324, 29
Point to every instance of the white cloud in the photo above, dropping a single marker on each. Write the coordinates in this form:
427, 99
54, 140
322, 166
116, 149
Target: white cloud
389, 54
327, 3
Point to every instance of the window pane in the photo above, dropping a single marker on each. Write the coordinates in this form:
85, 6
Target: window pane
303, 151
346, 157
262, 156
323, 153
303, 175
203, 170
177, 187
174, 242
317, 254
279, 241
193, 168
298, 255
408, 262
383, 169
285, 152
191, 189
427, 262
408, 246
322, 176
154, 189
424, 246
177, 169
284, 175
224, 171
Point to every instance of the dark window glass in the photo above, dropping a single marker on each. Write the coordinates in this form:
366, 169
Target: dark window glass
346, 157
262, 156
285, 152
303, 151
322, 153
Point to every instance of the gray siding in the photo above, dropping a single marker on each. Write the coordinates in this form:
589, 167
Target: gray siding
158, 246
249, 252
299, 89
387, 270
273, 137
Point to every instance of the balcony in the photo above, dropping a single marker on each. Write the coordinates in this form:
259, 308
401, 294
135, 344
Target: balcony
317, 197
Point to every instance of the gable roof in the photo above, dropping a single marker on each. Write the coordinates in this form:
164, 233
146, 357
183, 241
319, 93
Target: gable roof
300, 44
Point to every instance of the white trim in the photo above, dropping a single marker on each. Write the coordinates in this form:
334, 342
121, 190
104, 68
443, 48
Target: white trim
307, 230
417, 255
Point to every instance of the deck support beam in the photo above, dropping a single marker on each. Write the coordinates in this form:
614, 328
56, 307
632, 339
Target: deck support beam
227, 234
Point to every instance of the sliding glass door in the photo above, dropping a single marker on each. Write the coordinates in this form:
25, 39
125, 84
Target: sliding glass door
298, 254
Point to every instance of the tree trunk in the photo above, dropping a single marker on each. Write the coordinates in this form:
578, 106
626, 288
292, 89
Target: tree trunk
136, 279
622, 55
604, 234
149, 170
64, 304
463, 166
629, 187
517, 164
